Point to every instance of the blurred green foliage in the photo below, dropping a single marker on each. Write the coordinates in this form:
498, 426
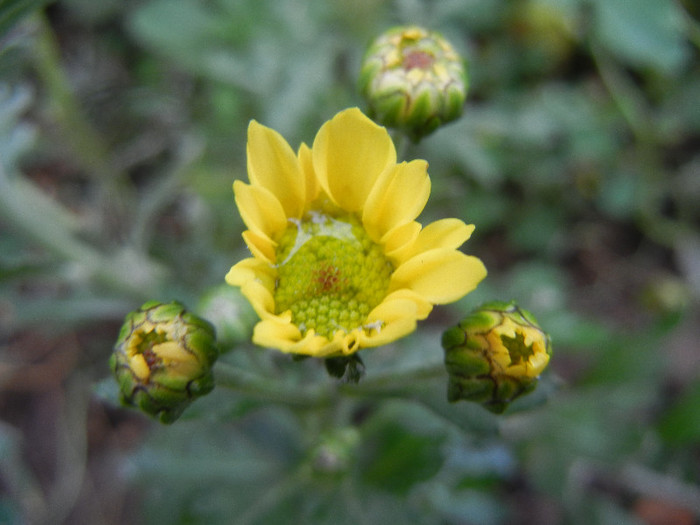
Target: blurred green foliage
122, 127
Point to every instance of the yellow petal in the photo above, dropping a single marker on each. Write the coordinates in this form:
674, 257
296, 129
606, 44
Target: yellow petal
445, 233
260, 210
273, 165
260, 246
307, 168
275, 333
349, 153
286, 337
256, 280
399, 238
537, 363
440, 276
343, 343
259, 298
423, 307
395, 318
251, 269
139, 367
398, 197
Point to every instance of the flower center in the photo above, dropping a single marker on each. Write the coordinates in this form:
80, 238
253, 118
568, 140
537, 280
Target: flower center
329, 273
417, 59
152, 348
519, 351
142, 352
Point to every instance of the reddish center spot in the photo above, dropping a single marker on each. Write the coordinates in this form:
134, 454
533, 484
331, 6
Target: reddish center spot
417, 59
327, 277
150, 357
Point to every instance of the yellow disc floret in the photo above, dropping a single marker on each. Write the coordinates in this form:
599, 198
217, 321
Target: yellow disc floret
329, 273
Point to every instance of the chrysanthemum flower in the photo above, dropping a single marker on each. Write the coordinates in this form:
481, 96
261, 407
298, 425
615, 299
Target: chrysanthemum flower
339, 262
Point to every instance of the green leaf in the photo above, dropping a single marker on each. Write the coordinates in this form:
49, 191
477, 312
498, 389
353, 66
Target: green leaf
399, 454
647, 33
681, 424
11, 11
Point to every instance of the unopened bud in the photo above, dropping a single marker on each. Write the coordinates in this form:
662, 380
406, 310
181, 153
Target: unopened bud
335, 452
495, 355
413, 80
162, 359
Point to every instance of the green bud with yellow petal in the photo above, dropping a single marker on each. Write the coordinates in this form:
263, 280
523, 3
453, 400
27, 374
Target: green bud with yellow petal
162, 359
495, 355
413, 80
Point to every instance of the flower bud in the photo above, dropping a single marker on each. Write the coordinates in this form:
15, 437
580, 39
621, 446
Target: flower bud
335, 451
414, 80
495, 355
162, 359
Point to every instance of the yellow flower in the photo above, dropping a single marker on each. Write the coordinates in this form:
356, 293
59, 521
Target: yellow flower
339, 262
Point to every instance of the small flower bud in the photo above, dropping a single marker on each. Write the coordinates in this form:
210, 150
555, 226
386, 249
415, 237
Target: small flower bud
335, 451
414, 80
162, 359
495, 355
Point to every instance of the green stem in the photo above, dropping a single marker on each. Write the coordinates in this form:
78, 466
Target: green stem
639, 117
164, 191
271, 389
692, 26
401, 142
78, 133
76, 129
49, 225
626, 97
289, 485
401, 384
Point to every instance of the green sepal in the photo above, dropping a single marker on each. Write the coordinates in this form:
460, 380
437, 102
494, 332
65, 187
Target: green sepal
478, 390
452, 337
389, 108
467, 363
348, 368
480, 321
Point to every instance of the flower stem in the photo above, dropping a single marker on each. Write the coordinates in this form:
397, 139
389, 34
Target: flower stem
401, 384
90, 150
396, 383
76, 129
269, 389
48, 224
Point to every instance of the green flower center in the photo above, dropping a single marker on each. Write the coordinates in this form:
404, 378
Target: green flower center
329, 273
146, 346
518, 350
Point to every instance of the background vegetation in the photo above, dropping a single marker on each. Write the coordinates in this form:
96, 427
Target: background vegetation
122, 127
